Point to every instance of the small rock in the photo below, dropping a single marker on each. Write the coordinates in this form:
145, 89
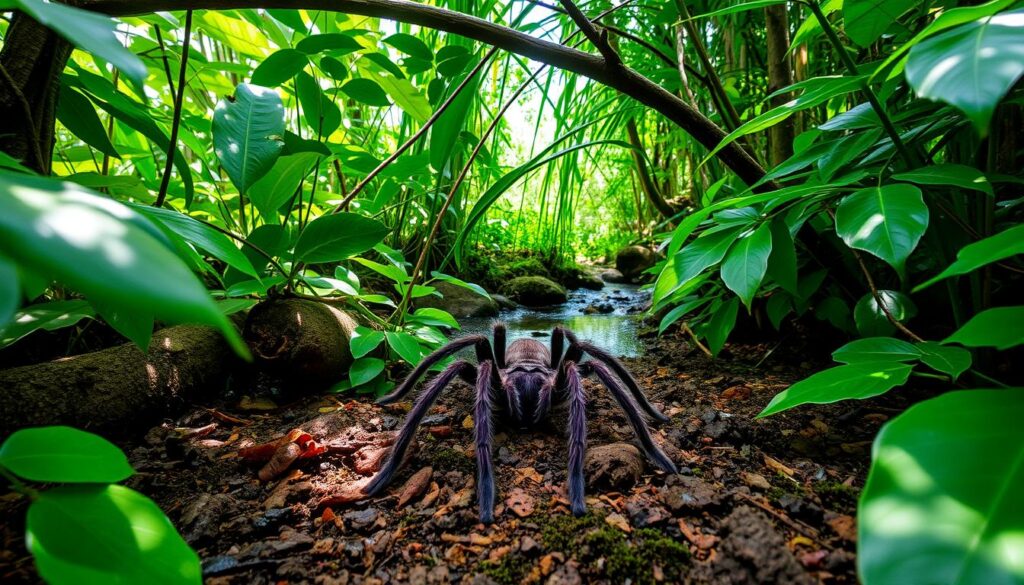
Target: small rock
618, 465
756, 480
505, 302
613, 276
360, 519
683, 493
567, 574
528, 545
644, 511
534, 291
459, 301
631, 261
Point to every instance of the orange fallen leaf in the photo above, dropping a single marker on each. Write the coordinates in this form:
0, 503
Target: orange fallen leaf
415, 486
520, 502
283, 458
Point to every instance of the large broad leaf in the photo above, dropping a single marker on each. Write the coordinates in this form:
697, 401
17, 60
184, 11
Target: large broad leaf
248, 133
366, 91
972, 66
10, 293
866, 20
319, 110
104, 250
445, 131
48, 316
1001, 246
364, 340
1001, 328
405, 345
747, 262
885, 221
410, 45
853, 381
876, 349
200, 235
92, 32
78, 115
279, 67
782, 261
330, 238
701, 254
280, 184
63, 455
870, 317
337, 43
720, 325
364, 370
945, 358
951, 175
942, 501
107, 529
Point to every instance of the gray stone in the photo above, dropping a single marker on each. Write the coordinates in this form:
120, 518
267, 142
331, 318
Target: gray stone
534, 291
631, 261
459, 301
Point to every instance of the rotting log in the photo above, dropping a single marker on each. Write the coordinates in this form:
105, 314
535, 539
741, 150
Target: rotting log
120, 389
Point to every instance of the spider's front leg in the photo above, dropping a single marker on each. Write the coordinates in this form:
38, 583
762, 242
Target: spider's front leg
577, 436
483, 435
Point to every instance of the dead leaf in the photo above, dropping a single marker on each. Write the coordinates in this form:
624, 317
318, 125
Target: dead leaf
441, 432
370, 459
756, 480
619, 521
415, 486
467, 423
259, 404
280, 462
265, 451
845, 526
432, 494
520, 502
739, 392
799, 541
346, 494
697, 538
528, 473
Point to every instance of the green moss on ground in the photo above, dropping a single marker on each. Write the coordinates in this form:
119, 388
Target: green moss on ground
451, 460
511, 569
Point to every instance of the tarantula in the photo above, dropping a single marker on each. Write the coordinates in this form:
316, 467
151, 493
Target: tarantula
523, 383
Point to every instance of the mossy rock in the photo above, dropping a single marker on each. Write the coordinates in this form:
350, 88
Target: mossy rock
632, 261
459, 301
527, 267
534, 291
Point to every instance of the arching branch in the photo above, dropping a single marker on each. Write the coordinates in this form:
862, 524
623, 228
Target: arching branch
618, 77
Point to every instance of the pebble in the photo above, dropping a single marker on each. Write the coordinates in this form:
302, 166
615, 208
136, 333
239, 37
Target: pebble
360, 519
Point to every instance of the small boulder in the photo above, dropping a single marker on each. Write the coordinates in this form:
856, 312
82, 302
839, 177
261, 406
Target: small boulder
582, 278
631, 261
617, 466
505, 302
534, 291
459, 301
613, 276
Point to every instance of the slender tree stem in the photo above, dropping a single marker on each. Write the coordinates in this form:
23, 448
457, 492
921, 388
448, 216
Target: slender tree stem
179, 97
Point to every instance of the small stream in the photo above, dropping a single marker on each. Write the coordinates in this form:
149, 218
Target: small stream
615, 331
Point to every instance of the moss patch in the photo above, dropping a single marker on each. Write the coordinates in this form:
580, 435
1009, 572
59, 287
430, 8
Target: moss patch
836, 493
451, 460
511, 569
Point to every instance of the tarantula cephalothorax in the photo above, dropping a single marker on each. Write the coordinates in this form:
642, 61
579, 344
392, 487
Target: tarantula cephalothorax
522, 383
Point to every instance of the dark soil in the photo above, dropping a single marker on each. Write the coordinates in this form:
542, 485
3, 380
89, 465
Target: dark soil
757, 501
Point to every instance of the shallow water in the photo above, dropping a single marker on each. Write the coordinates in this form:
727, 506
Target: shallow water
615, 331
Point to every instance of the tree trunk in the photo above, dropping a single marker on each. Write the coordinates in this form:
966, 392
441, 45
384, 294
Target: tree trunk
647, 183
780, 75
31, 63
119, 389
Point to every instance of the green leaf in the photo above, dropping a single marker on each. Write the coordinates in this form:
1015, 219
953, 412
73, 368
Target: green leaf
972, 66
866, 20
434, 317
701, 254
405, 95
1001, 328
942, 500
364, 340
951, 175
406, 346
395, 273
92, 32
10, 294
721, 325
319, 111
337, 43
366, 91
745, 266
331, 238
279, 68
108, 529
49, 316
782, 262
364, 370
445, 131
104, 250
201, 235
943, 358
63, 455
885, 221
281, 183
876, 349
853, 381
779, 305
248, 134
1005, 244
78, 115
459, 282
410, 45
872, 321
334, 68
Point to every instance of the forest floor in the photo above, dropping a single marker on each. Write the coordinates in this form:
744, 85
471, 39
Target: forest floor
756, 501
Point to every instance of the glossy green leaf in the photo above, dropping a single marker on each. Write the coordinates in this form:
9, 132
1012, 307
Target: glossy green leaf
318, 110
872, 321
949, 174
334, 68
78, 115
1001, 328
366, 91
104, 250
1005, 244
721, 325
876, 349
972, 66
279, 68
782, 261
90, 31
410, 45
701, 254
853, 381
364, 340
364, 370
866, 20
404, 94
337, 43
10, 295
107, 529
47, 316
248, 134
445, 131
945, 358
405, 346
200, 235
745, 265
434, 317
942, 501
459, 282
63, 455
281, 183
886, 221
331, 238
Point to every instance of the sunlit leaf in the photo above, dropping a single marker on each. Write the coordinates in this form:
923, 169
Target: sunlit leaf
63, 455
853, 381
248, 133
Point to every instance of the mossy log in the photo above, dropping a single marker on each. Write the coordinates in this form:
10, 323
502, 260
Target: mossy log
119, 389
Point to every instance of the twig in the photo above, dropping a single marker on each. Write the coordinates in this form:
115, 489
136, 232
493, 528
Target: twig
179, 97
599, 38
693, 337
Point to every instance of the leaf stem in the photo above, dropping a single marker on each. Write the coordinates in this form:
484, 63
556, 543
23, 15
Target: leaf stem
179, 97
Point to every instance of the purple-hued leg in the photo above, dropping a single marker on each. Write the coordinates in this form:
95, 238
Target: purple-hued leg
636, 420
557, 347
500, 341
483, 435
423, 404
620, 371
577, 437
439, 354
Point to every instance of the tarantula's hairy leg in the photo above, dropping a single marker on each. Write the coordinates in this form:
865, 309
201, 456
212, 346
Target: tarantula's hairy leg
557, 346
500, 338
577, 436
423, 404
439, 354
636, 420
620, 370
483, 435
